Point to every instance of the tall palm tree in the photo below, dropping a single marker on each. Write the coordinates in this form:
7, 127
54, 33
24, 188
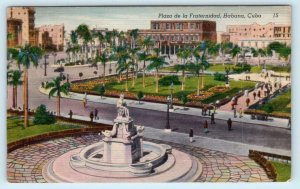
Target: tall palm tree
28, 55
199, 54
133, 53
183, 53
84, 33
235, 52
225, 47
15, 81
121, 55
195, 68
122, 37
143, 57
213, 49
133, 36
156, 62
145, 44
56, 88
114, 35
101, 40
103, 58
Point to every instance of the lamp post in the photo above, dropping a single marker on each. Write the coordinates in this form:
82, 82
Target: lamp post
227, 70
45, 64
171, 101
168, 127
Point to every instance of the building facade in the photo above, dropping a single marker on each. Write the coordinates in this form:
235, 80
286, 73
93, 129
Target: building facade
51, 37
170, 35
256, 35
14, 31
26, 15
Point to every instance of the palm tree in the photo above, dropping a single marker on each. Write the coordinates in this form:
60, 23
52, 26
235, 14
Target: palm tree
146, 44
213, 49
200, 55
143, 57
122, 37
184, 53
133, 36
28, 55
15, 81
156, 62
84, 33
114, 35
121, 55
134, 56
57, 88
103, 58
225, 47
235, 52
101, 40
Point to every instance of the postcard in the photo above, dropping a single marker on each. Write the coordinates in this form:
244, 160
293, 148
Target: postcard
150, 94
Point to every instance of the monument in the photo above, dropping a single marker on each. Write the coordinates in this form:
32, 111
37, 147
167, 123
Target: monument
121, 155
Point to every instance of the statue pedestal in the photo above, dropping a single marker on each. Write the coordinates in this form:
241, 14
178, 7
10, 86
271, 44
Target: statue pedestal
117, 151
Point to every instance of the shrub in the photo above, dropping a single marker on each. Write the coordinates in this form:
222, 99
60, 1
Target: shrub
240, 67
184, 99
167, 80
42, 116
140, 95
219, 76
59, 69
268, 108
101, 90
80, 74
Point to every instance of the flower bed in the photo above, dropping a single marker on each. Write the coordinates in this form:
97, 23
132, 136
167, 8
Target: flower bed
273, 114
219, 89
203, 95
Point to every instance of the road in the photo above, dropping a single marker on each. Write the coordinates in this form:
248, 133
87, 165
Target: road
242, 132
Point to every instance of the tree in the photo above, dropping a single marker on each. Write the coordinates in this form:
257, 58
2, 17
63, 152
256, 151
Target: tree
84, 33
140, 95
121, 55
103, 58
101, 91
15, 81
134, 56
184, 99
42, 116
114, 35
156, 62
183, 53
200, 55
145, 44
101, 40
133, 36
235, 52
80, 74
28, 55
213, 48
225, 47
57, 88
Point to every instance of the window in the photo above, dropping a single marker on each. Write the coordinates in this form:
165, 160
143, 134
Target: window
168, 26
192, 26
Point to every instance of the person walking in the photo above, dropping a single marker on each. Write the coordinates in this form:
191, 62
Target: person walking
191, 135
289, 123
234, 113
229, 124
71, 114
212, 119
254, 95
96, 114
84, 101
241, 112
258, 94
205, 127
247, 101
92, 116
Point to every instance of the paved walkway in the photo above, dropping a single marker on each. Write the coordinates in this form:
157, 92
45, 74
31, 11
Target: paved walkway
253, 77
220, 114
25, 164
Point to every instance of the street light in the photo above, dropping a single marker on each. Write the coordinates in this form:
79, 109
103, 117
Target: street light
227, 70
168, 127
45, 64
171, 101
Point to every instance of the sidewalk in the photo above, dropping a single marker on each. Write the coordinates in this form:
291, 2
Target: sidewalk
220, 114
199, 141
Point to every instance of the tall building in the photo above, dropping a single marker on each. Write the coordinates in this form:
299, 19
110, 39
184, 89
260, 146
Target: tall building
14, 31
51, 37
256, 35
170, 35
26, 15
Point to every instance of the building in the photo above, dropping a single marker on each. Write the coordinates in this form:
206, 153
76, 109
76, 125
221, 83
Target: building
256, 35
51, 37
26, 15
170, 35
14, 31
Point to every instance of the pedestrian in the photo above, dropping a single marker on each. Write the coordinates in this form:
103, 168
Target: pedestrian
191, 135
258, 94
241, 112
205, 110
96, 114
229, 124
236, 101
92, 116
71, 114
254, 95
205, 127
247, 101
215, 108
212, 119
289, 123
209, 111
84, 101
202, 111
234, 113
232, 105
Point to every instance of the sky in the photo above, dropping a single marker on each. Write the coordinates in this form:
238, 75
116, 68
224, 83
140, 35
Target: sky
124, 18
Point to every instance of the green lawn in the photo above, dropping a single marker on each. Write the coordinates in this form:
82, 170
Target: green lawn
281, 103
283, 171
221, 68
191, 86
16, 130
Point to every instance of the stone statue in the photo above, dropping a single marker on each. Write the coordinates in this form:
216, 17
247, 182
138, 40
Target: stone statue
120, 102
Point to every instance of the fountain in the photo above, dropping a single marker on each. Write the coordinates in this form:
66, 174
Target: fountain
123, 156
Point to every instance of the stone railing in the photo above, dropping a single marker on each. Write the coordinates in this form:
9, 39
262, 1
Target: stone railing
259, 158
